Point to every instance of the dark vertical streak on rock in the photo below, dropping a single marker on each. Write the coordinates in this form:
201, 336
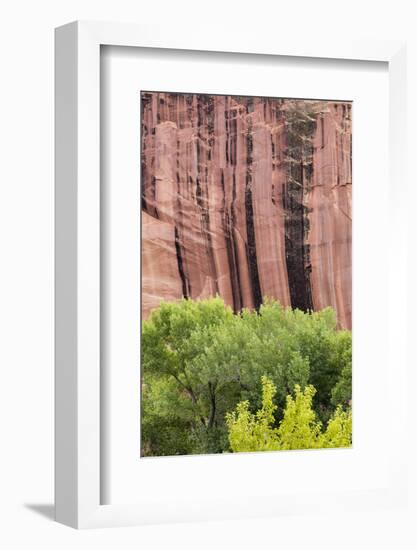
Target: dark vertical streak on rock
297, 251
250, 228
226, 122
186, 288
203, 118
145, 104
231, 252
153, 197
148, 187
229, 222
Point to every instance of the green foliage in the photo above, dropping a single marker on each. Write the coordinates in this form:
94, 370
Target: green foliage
299, 428
173, 339
339, 429
254, 432
342, 391
199, 360
167, 418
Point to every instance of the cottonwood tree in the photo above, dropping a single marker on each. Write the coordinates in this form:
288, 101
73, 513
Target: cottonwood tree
199, 360
298, 429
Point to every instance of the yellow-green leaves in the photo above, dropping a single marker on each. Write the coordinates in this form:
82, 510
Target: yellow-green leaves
339, 429
298, 429
254, 432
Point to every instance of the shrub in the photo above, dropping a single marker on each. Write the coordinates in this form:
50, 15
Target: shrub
299, 428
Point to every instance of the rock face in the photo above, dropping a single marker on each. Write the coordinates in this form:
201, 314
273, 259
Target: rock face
246, 198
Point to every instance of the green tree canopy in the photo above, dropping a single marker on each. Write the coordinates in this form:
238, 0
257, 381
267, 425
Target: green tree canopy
199, 360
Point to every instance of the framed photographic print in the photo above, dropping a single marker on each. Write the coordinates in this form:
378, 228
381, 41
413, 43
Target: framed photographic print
246, 286
222, 208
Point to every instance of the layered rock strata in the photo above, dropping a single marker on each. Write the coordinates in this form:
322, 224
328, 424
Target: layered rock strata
246, 198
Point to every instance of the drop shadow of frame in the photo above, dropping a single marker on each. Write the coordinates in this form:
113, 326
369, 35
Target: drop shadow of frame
45, 510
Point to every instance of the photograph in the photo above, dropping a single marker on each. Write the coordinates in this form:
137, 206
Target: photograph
246, 273
209, 336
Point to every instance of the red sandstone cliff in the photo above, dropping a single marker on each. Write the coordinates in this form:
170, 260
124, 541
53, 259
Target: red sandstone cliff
246, 198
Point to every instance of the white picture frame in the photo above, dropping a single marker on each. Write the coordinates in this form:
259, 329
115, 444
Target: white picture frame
78, 426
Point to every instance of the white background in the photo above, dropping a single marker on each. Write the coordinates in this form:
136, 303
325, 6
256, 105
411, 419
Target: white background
26, 292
